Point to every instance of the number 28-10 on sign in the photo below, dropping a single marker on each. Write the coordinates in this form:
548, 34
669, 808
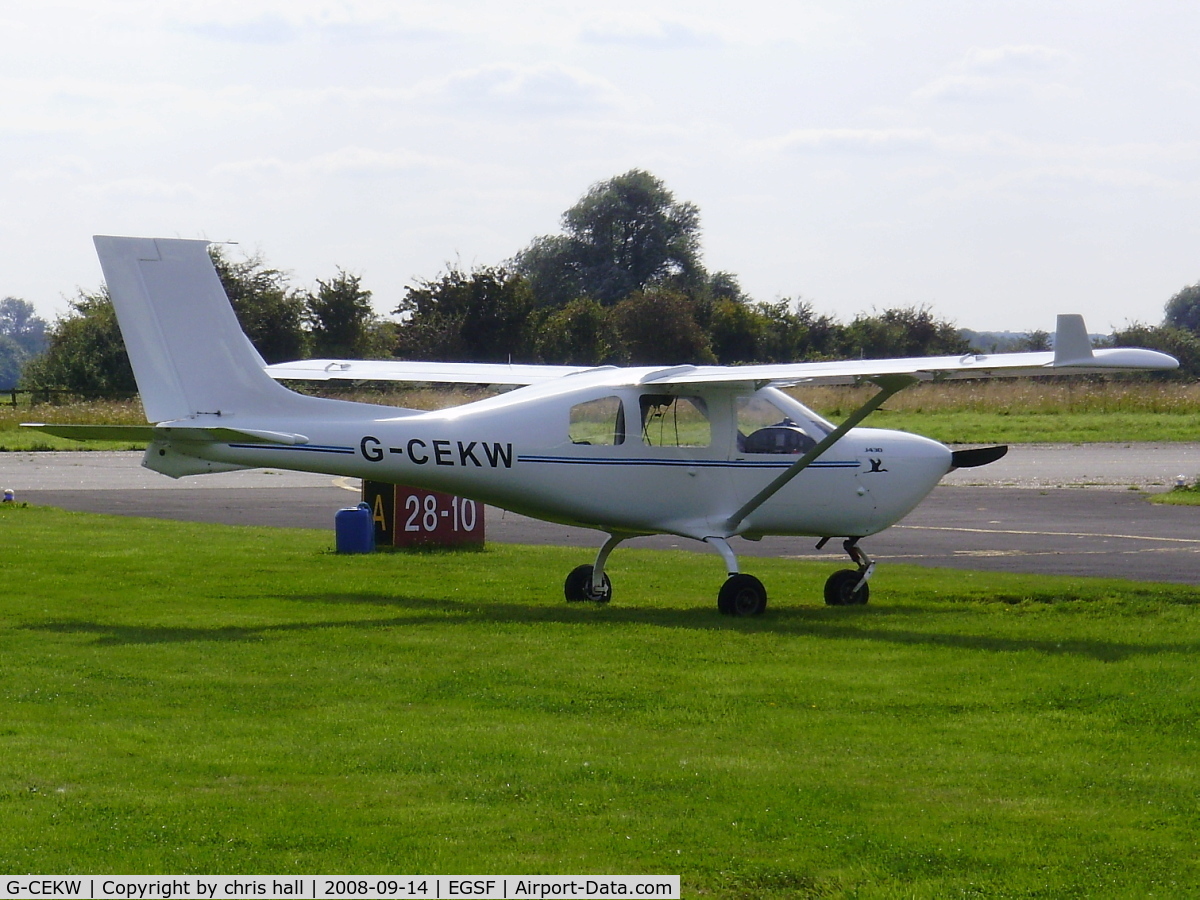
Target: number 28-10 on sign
406, 517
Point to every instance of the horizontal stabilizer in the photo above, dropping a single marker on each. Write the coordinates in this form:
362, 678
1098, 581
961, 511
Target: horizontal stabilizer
167, 433
95, 432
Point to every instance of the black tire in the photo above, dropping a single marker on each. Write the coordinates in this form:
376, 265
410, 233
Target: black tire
839, 589
742, 595
578, 586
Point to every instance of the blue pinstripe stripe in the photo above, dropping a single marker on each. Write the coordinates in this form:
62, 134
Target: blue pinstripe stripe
687, 463
304, 448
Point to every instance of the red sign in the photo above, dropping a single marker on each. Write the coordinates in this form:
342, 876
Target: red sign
410, 517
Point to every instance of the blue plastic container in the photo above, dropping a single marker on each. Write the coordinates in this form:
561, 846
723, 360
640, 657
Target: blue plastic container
355, 530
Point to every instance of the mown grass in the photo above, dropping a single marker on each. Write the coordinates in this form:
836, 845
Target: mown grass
1001, 411
1028, 411
185, 698
1180, 495
76, 412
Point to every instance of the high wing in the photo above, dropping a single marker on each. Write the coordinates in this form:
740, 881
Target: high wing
432, 372
1072, 354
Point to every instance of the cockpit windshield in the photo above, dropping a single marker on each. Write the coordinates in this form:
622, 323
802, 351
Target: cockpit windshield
769, 421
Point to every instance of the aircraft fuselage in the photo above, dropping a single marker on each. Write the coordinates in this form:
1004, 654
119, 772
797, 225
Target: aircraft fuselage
608, 457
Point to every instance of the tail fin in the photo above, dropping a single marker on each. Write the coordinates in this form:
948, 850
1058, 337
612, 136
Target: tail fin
189, 354
1072, 346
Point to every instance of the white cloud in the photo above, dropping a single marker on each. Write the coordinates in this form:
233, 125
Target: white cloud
892, 141
977, 88
1008, 59
1008, 73
998, 162
343, 161
645, 31
54, 169
144, 189
507, 89
288, 22
266, 28
1098, 176
61, 104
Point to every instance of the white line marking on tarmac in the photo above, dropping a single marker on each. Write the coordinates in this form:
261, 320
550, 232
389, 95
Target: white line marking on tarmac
1126, 537
975, 554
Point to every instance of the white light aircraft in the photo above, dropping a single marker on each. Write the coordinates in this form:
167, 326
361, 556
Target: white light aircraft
703, 452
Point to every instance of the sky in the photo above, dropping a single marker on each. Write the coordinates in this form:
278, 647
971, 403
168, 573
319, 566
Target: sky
998, 162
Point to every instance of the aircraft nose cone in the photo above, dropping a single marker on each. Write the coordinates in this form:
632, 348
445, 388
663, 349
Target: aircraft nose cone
902, 472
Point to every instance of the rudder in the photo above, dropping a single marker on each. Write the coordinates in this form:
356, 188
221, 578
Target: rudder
189, 354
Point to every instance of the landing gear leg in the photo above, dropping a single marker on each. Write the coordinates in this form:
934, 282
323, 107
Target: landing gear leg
848, 587
741, 595
590, 582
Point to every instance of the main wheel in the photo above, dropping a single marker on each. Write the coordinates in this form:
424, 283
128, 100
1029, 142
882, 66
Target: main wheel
578, 586
839, 589
742, 595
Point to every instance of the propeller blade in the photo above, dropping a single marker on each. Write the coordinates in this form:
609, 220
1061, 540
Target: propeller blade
980, 456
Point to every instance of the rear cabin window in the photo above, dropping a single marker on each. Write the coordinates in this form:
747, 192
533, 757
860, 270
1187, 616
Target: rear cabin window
670, 421
599, 422
762, 427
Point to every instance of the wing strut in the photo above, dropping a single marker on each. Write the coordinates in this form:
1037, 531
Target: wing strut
888, 385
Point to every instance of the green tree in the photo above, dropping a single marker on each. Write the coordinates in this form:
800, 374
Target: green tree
1035, 341
482, 316
20, 322
12, 361
341, 322
793, 332
908, 331
270, 313
735, 331
658, 326
734, 327
582, 333
85, 352
1183, 310
625, 234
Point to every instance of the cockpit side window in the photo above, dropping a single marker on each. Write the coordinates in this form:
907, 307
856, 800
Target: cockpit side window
762, 427
598, 422
671, 421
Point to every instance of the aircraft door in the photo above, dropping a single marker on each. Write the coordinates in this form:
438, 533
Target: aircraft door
772, 433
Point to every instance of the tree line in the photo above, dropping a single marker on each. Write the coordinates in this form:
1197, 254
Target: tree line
622, 283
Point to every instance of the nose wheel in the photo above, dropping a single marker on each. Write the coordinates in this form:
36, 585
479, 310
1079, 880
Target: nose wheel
848, 587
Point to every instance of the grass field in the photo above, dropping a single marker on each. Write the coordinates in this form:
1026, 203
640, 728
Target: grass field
1186, 495
184, 698
81, 412
1025, 411
1001, 411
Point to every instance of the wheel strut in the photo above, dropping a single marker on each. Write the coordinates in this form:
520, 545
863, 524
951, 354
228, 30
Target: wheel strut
591, 582
856, 553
